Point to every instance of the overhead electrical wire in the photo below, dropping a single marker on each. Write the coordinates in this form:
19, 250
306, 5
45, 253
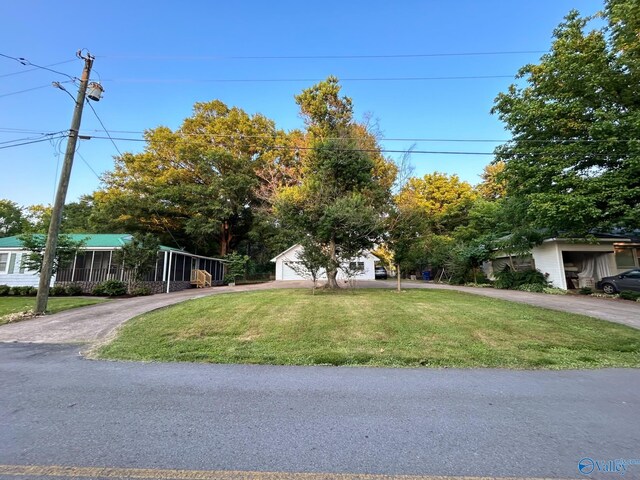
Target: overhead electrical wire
381, 139
365, 150
30, 89
88, 165
104, 128
24, 61
318, 57
34, 69
164, 222
283, 80
30, 142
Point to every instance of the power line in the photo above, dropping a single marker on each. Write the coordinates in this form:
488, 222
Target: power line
320, 57
34, 69
30, 142
382, 139
375, 150
164, 222
88, 165
283, 80
29, 89
103, 127
24, 61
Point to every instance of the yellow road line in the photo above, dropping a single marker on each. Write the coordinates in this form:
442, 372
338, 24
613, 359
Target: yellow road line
150, 473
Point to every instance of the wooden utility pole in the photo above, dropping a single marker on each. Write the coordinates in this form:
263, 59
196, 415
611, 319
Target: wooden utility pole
61, 194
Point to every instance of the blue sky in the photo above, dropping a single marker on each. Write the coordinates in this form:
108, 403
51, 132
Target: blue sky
156, 59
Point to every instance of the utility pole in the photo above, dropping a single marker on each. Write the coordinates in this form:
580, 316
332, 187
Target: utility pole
63, 185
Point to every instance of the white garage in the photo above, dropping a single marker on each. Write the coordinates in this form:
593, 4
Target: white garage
364, 264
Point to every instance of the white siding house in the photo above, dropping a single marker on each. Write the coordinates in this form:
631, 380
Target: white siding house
286, 261
571, 263
13, 274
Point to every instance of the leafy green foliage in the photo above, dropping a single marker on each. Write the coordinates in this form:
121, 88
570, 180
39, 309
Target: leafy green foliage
66, 250
110, 288
4, 290
311, 260
12, 220
629, 295
464, 262
73, 289
573, 160
58, 291
24, 291
140, 291
138, 256
236, 265
509, 279
344, 190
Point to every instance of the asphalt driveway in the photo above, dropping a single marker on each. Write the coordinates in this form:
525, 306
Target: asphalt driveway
97, 322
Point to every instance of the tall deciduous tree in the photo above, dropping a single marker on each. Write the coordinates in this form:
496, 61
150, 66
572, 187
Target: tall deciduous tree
200, 182
575, 158
12, 220
339, 202
440, 200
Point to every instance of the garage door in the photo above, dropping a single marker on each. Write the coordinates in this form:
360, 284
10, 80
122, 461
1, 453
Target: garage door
289, 273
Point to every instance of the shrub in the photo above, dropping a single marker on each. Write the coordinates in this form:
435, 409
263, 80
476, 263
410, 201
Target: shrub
530, 287
629, 295
141, 290
554, 291
508, 279
74, 289
24, 291
58, 291
4, 290
585, 291
110, 288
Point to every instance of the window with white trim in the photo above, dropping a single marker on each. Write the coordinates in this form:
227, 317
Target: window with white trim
356, 266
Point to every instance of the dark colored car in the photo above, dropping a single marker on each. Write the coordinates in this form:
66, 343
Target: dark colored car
381, 273
629, 280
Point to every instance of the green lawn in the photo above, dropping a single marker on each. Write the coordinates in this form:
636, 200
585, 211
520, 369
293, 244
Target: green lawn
374, 327
10, 305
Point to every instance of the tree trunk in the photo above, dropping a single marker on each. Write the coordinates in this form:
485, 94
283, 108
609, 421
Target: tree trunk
398, 280
225, 238
332, 272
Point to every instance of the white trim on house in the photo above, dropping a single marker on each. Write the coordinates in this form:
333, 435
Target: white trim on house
285, 272
549, 258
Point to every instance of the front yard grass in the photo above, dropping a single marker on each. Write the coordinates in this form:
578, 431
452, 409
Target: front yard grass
9, 305
431, 328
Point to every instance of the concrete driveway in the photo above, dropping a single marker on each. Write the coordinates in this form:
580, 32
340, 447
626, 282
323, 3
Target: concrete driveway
97, 322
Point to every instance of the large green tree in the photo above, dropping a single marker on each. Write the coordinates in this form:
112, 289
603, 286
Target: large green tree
201, 182
574, 160
339, 203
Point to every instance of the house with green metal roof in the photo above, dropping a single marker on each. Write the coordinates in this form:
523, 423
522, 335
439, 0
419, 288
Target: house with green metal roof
96, 262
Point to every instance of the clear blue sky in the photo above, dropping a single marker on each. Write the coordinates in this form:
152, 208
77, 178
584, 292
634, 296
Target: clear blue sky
155, 59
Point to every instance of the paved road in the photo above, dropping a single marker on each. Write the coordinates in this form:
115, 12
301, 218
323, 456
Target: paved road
97, 322
57, 408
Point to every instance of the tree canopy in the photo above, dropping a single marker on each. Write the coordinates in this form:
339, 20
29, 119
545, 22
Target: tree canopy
574, 159
337, 206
